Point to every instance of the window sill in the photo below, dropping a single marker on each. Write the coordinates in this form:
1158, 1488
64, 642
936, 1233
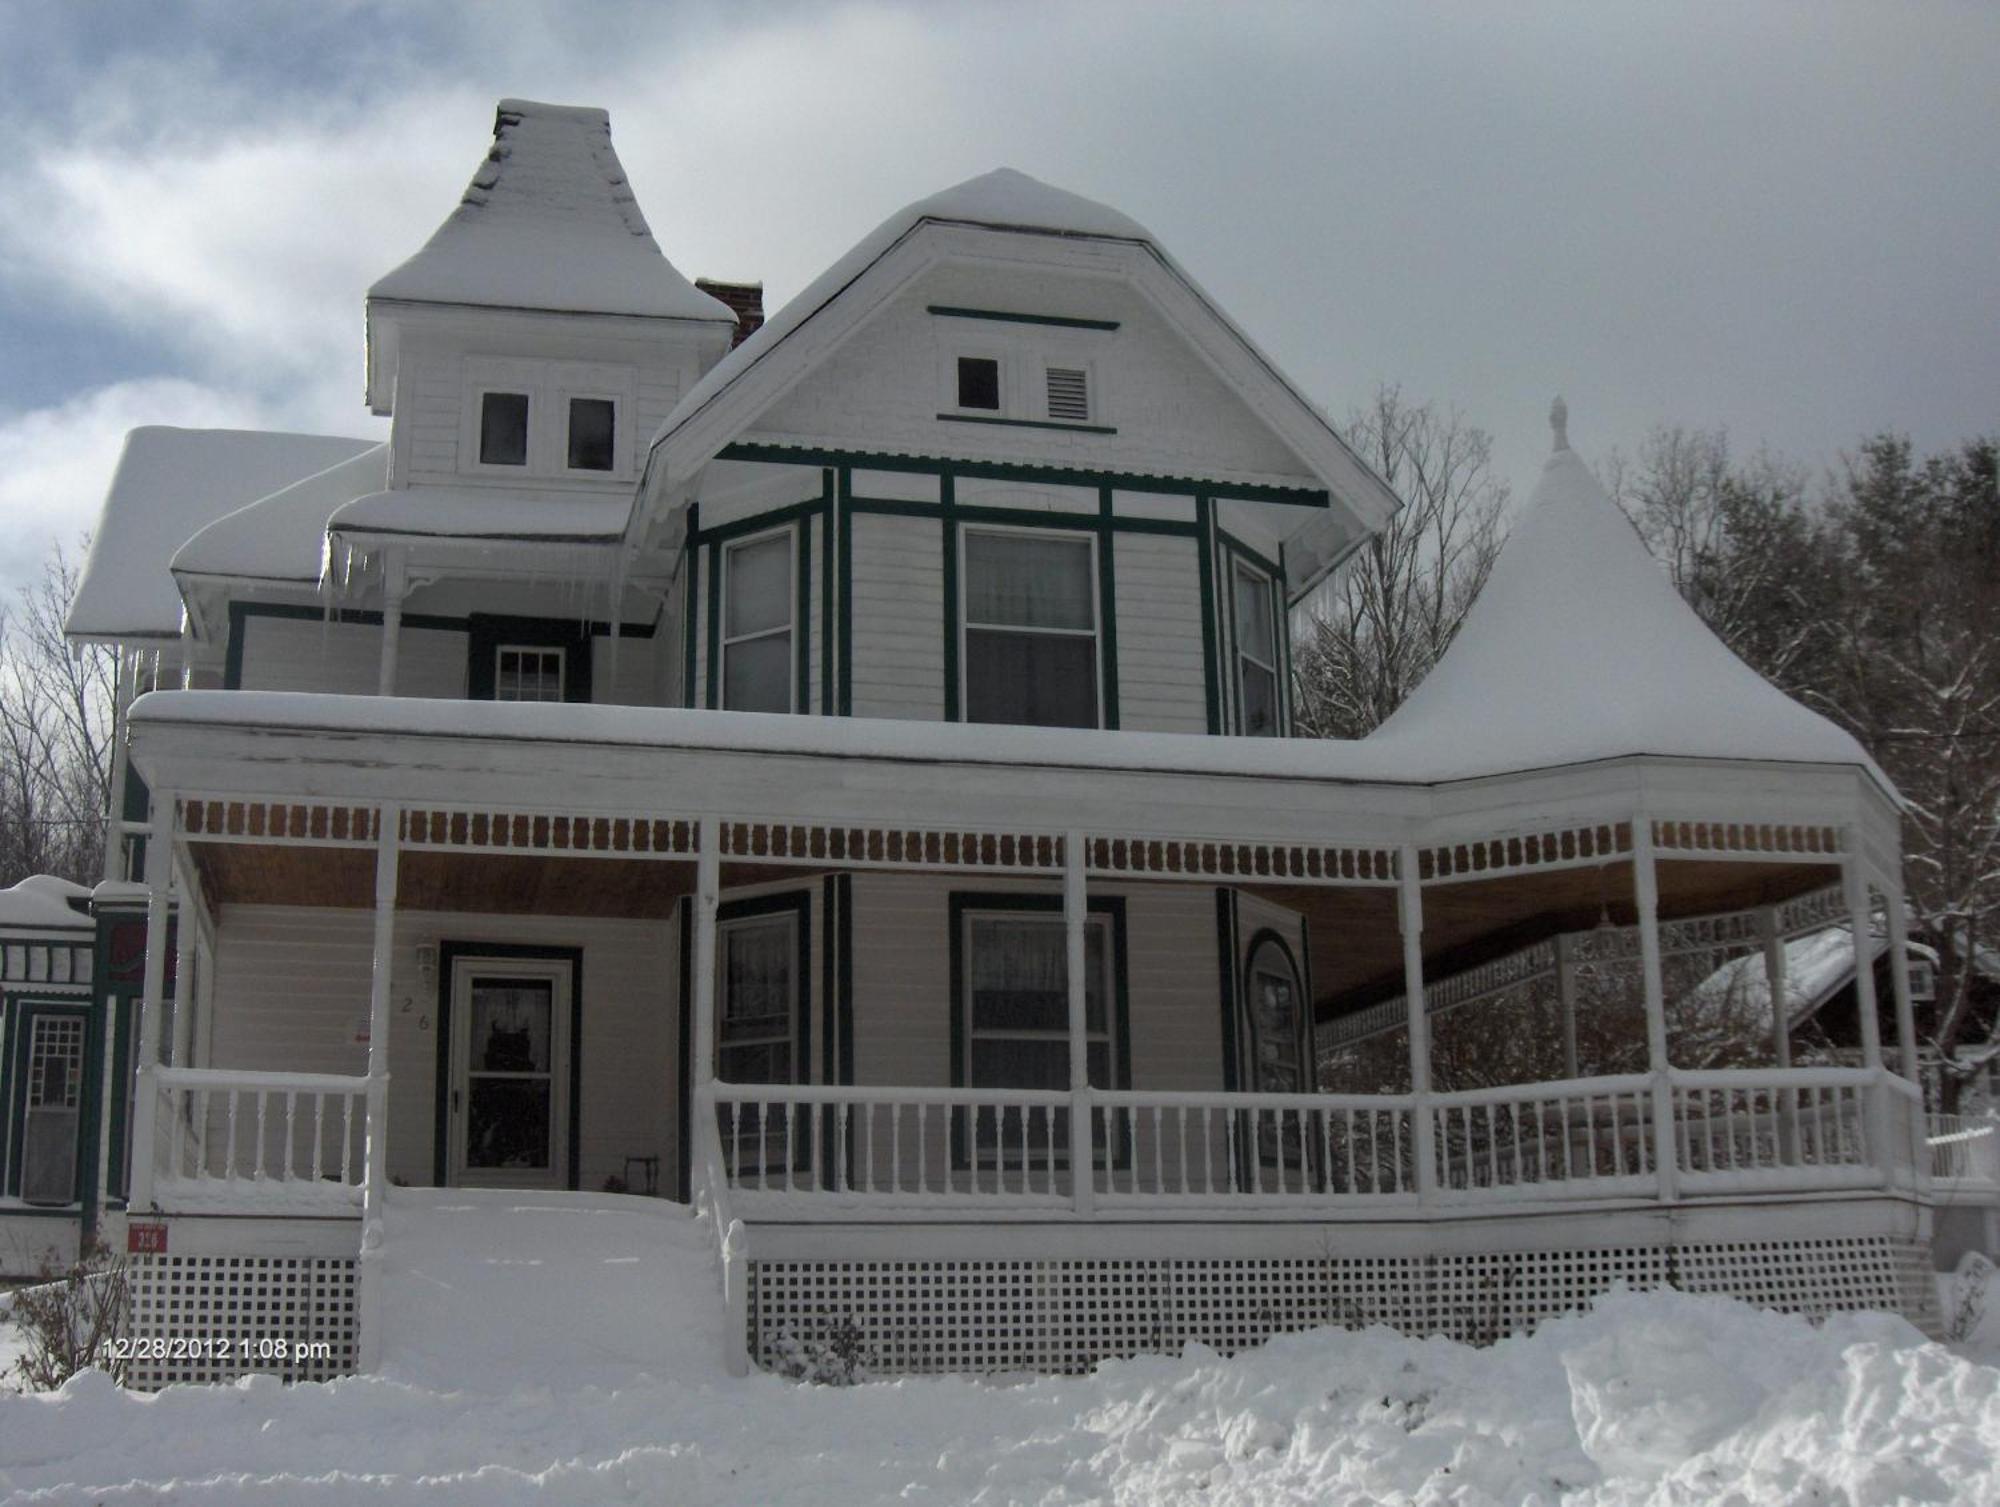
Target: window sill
977, 418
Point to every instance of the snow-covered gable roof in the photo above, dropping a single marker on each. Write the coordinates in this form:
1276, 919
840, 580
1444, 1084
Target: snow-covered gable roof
42, 901
1580, 649
282, 537
168, 484
830, 307
549, 221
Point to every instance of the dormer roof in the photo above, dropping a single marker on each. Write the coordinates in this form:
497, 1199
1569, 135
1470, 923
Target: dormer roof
793, 340
549, 222
1579, 649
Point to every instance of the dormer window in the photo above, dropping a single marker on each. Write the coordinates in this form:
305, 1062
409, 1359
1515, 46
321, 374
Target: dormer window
527, 672
979, 383
503, 429
593, 433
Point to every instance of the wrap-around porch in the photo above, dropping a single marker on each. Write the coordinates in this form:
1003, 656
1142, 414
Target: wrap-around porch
1391, 903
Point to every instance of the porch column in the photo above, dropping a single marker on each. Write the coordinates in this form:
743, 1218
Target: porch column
1646, 887
395, 585
708, 898
375, 1152
1410, 917
1906, 1022
1777, 981
1082, 1116
1566, 997
1861, 924
114, 829
187, 928
159, 875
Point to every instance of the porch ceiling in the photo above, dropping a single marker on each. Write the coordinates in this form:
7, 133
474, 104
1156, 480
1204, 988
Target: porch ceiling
510, 884
1357, 949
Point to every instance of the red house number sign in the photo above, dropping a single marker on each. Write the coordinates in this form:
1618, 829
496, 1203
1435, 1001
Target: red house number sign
146, 1239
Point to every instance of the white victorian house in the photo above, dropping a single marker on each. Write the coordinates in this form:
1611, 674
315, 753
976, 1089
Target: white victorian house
840, 778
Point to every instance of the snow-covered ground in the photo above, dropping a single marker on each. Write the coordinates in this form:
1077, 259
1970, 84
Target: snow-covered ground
551, 1353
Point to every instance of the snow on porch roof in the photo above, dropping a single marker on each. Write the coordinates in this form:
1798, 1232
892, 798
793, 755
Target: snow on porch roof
1580, 649
549, 221
168, 484
283, 536
42, 901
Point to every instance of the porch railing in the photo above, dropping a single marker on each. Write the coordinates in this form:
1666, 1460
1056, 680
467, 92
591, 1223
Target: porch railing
225, 1139
1964, 1155
804, 1147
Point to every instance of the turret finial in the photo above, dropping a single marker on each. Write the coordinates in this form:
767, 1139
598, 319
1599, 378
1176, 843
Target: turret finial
1559, 422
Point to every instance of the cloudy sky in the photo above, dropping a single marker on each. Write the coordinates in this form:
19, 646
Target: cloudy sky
1779, 217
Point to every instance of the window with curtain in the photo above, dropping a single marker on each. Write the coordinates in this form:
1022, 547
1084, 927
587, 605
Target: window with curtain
1030, 604
1256, 653
757, 1007
1016, 1030
757, 667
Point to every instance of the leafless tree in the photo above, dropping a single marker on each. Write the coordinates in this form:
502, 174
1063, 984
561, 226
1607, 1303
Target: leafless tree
55, 735
1376, 631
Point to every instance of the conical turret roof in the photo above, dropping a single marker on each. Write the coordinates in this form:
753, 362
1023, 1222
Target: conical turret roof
1579, 648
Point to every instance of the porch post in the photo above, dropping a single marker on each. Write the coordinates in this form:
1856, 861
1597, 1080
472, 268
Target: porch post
708, 893
1646, 886
1906, 1021
159, 875
1082, 1114
1410, 917
1566, 997
1861, 924
187, 927
375, 1152
395, 585
1777, 980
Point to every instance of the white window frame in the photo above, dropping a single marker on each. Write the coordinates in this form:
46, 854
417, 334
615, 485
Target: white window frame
475, 424
541, 652
791, 629
466, 969
619, 442
1239, 568
966, 625
1007, 1146
1001, 358
788, 921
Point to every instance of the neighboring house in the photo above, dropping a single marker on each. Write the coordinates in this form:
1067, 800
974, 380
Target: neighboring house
841, 778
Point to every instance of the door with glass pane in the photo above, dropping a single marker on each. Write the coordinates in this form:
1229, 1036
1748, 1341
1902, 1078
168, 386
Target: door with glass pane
510, 1072
757, 1026
52, 1115
1277, 1047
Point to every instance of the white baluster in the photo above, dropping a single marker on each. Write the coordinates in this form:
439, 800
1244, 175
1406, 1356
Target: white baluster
229, 1162
347, 1138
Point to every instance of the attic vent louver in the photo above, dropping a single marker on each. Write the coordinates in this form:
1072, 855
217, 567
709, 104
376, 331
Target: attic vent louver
1069, 395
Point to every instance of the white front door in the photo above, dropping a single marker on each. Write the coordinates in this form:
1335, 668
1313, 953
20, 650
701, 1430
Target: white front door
510, 1048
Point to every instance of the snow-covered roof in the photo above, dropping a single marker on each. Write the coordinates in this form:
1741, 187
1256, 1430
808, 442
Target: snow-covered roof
766, 363
549, 221
282, 537
1818, 965
41, 901
449, 512
1580, 649
170, 483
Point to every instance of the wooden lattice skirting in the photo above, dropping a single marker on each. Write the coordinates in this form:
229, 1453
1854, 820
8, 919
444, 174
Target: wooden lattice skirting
217, 1317
1066, 1315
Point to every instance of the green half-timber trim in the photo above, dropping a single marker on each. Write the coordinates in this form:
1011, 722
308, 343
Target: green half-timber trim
1007, 316
1204, 512
981, 418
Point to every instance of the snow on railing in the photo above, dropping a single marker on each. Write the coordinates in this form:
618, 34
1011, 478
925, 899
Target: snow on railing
1589, 1138
225, 1138
1279, 1148
1749, 1128
1964, 1154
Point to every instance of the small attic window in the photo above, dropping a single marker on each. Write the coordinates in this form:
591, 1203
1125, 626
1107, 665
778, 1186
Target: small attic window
979, 382
503, 429
1069, 394
593, 424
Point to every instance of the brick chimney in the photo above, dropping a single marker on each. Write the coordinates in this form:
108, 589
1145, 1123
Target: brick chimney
747, 299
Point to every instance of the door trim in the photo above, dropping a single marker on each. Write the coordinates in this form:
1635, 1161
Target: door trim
449, 954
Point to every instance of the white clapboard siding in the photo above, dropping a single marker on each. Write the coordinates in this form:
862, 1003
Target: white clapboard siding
291, 993
637, 682
1160, 674
902, 980
313, 654
898, 618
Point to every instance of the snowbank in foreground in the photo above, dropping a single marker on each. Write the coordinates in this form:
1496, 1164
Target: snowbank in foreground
612, 1394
